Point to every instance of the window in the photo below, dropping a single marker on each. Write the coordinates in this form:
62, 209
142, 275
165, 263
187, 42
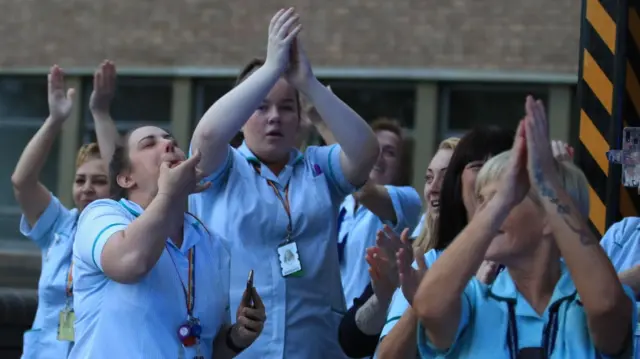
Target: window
374, 99
465, 106
23, 109
138, 102
206, 93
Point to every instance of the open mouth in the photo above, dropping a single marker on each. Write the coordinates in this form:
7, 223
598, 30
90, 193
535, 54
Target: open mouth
274, 134
435, 203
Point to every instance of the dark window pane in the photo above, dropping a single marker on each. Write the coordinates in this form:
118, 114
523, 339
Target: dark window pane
469, 106
207, 92
23, 97
139, 100
12, 142
379, 99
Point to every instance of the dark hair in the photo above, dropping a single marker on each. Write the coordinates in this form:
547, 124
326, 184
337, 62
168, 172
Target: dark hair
477, 145
404, 167
119, 162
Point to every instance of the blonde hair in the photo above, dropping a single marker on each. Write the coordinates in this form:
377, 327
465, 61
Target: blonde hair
87, 152
572, 180
427, 238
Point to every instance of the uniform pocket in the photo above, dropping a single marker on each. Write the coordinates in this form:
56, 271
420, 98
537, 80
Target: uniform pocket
31, 343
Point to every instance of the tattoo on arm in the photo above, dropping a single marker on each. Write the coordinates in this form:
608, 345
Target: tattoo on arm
370, 318
580, 228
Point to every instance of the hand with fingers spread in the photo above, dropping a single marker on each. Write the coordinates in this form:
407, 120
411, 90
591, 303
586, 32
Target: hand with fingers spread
104, 88
180, 179
250, 319
283, 29
60, 98
541, 162
410, 276
383, 273
562, 151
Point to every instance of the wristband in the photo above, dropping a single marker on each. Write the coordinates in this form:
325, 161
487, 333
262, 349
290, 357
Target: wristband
230, 344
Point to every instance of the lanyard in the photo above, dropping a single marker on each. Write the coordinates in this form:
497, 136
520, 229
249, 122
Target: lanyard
283, 199
190, 289
69, 286
549, 333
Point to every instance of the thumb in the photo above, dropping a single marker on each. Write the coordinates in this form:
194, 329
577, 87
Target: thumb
193, 160
404, 236
71, 93
422, 264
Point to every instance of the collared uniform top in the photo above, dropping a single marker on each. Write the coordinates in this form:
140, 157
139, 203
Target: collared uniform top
141, 320
484, 321
357, 232
416, 232
303, 312
399, 303
53, 233
622, 245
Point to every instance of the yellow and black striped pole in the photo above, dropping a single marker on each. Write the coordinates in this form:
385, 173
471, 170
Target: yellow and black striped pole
609, 99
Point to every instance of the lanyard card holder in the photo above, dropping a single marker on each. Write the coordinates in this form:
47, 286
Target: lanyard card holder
628, 157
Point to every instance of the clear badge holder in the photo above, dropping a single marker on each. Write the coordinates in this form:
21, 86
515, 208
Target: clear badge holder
628, 157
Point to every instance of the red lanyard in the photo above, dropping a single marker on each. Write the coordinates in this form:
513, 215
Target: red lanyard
283, 199
190, 289
69, 286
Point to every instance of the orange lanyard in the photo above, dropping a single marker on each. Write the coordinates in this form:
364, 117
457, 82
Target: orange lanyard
190, 289
69, 286
283, 199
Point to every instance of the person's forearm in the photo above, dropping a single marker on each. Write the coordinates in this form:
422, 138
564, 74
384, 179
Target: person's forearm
220, 348
358, 142
107, 134
321, 127
437, 302
370, 318
145, 238
225, 117
35, 154
401, 341
376, 199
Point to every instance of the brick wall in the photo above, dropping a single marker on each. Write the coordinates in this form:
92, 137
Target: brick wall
489, 34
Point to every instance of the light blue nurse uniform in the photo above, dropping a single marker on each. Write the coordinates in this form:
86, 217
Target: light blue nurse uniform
622, 245
358, 232
141, 320
484, 320
303, 312
53, 233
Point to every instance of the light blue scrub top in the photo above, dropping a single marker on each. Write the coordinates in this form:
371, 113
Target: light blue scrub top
303, 313
53, 233
622, 245
482, 332
141, 320
358, 232
399, 303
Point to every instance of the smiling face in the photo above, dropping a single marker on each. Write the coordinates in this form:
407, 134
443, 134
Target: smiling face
433, 179
387, 167
91, 183
147, 148
271, 131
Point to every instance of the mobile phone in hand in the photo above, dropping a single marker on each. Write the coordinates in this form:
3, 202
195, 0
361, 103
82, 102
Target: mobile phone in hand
250, 290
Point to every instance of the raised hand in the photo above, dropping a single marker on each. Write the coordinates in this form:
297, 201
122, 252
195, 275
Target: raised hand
515, 181
541, 162
410, 277
283, 29
178, 180
383, 273
299, 72
104, 87
60, 98
250, 319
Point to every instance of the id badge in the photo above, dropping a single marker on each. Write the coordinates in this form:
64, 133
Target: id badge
289, 259
65, 326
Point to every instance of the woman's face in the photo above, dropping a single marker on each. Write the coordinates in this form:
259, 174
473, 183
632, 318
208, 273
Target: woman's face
387, 168
271, 131
469, 175
522, 231
433, 179
91, 183
148, 147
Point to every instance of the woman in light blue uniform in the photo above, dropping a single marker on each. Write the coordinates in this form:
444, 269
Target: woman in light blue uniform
267, 198
151, 281
52, 226
559, 296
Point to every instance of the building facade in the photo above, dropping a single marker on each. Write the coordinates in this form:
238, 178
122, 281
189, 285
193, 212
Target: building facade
440, 67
